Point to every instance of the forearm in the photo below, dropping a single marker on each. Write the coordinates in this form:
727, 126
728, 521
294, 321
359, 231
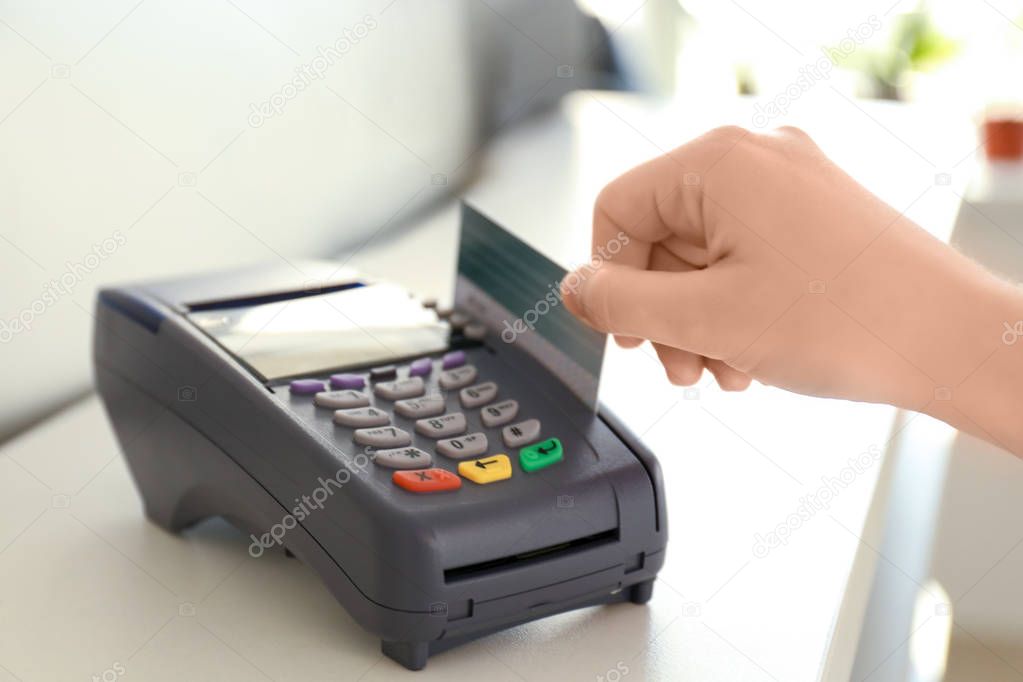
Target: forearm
948, 317
942, 333
988, 401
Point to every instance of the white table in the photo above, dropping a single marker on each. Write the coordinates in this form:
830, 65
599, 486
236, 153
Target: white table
89, 588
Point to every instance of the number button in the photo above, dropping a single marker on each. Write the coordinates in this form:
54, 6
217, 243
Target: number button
457, 378
480, 394
340, 400
443, 426
426, 480
416, 408
499, 413
469, 445
382, 437
361, 417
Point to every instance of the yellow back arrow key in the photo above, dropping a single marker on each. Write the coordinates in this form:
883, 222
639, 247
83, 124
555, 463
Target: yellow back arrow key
486, 469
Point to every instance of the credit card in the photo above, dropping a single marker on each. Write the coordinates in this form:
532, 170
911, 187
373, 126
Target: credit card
515, 290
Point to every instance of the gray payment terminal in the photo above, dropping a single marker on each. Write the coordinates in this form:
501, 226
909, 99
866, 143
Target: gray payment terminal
446, 474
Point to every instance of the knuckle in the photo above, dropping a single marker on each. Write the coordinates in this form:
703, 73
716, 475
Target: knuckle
728, 133
793, 139
710, 145
793, 131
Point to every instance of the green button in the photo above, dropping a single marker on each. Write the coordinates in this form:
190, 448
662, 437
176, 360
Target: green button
540, 455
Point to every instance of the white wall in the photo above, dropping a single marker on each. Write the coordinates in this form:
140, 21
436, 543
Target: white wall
132, 122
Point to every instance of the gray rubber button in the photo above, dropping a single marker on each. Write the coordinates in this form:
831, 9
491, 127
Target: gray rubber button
469, 445
403, 458
383, 437
475, 331
360, 417
441, 427
480, 394
516, 435
499, 413
417, 408
341, 400
457, 377
402, 388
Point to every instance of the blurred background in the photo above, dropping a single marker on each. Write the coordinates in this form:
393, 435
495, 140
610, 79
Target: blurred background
148, 138
212, 133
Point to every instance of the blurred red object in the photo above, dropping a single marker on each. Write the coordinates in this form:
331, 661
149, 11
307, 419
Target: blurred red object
1003, 139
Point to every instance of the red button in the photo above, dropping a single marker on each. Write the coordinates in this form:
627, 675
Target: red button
426, 480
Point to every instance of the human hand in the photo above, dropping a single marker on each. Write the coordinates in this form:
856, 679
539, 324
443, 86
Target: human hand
755, 256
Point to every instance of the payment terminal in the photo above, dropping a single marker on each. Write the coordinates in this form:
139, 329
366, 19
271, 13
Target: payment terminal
447, 474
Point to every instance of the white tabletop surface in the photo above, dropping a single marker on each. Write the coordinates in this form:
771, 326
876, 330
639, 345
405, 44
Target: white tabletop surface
90, 590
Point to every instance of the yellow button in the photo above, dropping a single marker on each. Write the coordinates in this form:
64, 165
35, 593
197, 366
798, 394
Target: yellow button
486, 469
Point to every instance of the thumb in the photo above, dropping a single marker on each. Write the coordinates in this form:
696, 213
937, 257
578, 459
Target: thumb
672, 308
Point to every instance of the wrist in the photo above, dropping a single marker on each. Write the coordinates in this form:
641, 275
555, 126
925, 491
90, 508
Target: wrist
983, 391
929, 313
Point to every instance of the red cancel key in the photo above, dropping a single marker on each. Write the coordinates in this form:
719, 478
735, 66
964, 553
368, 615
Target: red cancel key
426, 480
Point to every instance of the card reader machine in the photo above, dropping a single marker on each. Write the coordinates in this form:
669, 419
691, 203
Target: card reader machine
445, 475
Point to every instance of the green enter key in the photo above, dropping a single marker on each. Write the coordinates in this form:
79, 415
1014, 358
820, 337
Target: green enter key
540, 455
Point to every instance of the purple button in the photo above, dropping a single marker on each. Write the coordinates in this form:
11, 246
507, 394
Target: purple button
347, 381
420, 367
306, 386
454, 359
